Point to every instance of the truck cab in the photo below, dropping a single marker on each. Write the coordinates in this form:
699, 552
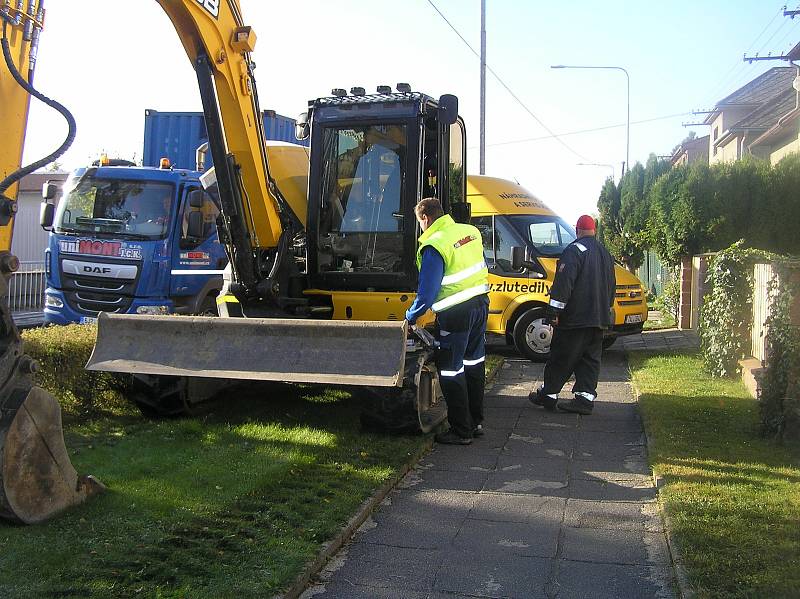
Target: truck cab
511, 219
120, 242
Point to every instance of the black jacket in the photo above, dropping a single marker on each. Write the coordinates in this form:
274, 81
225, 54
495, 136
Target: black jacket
583, 289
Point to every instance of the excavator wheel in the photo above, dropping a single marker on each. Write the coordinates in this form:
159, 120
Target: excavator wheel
417, 407
160, 396
37, 479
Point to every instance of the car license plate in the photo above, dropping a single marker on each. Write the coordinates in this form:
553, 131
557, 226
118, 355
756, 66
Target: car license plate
88, 320
633, 318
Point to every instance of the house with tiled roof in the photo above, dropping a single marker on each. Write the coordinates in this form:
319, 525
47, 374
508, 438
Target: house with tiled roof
747, 114
691, 151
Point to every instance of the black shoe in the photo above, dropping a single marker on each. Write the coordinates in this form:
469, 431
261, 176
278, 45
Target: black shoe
477, 431
577, 405
450, 438
538, 398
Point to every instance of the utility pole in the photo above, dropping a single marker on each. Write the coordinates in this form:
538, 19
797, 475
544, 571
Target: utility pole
483, 89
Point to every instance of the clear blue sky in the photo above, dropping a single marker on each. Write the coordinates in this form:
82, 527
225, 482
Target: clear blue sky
109, 60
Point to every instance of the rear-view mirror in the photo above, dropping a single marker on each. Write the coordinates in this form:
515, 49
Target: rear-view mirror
46, 213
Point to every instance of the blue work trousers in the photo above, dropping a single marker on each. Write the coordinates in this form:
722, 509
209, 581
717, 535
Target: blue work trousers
461, 360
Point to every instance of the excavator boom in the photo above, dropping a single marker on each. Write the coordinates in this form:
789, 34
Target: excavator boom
37, 479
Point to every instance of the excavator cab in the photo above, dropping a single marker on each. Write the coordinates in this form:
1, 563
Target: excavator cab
373, 157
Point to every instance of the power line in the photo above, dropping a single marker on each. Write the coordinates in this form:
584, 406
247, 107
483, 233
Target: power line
722, 84
592, 130
508, 89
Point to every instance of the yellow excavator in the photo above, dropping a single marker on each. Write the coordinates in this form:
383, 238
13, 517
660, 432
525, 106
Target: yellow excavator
318, 298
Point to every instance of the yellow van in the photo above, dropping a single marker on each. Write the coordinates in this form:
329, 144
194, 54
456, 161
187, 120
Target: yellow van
522, 240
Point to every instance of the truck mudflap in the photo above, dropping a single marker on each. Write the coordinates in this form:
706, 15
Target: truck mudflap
268, 349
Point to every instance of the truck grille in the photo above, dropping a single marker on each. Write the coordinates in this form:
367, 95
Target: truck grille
90, 295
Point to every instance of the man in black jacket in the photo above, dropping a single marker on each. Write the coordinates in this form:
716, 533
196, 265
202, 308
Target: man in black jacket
580, 310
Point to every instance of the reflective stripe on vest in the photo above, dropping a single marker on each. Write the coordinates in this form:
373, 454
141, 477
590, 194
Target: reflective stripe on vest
461, 296
461, 249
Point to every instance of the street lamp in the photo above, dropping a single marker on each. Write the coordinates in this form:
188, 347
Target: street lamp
628, 80
611, 166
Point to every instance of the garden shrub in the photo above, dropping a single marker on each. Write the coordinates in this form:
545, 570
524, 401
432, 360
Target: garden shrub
727, 308
62, 353
779, 397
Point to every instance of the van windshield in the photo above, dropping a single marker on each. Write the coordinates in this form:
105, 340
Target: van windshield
134, 209
548, 234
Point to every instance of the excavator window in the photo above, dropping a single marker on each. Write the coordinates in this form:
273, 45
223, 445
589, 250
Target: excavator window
361, 215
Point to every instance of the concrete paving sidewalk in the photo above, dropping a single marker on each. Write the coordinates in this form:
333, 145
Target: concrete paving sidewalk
544, 505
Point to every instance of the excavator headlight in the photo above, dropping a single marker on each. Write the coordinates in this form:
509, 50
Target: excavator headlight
358, 91
384, 89
404, 88
339, 92
164, 163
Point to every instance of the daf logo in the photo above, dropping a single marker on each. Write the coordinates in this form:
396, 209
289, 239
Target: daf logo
97, 270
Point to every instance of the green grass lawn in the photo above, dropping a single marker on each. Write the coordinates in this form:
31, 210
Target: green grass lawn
228, 504
732, 496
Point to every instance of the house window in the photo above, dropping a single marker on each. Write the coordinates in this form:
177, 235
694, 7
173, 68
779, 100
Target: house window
716, 133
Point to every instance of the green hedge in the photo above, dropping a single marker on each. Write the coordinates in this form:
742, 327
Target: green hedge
62, 353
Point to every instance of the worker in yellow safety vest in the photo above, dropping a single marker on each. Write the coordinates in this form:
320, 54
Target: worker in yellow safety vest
453, 282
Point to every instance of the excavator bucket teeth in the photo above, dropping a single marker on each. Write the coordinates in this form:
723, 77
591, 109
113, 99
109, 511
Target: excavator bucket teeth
268, 349
37, 479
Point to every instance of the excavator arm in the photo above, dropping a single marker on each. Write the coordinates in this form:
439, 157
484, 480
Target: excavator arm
257, 222
37, 478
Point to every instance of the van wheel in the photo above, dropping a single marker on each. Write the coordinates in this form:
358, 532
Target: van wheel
532, 337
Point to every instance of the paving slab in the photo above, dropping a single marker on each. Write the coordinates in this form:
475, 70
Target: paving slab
545, 504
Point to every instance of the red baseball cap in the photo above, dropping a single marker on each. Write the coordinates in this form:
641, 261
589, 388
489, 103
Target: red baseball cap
586, 223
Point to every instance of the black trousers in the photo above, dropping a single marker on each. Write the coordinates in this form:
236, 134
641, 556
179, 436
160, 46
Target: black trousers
578, 351
461, 359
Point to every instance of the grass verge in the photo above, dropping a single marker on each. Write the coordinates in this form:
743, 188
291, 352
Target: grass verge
232, 503
733, 498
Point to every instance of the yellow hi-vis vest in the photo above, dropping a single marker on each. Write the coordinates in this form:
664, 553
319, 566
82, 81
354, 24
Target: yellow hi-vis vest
461, 248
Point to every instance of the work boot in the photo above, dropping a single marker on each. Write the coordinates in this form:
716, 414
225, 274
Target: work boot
538, 398
577, 405
450, 438
477, 431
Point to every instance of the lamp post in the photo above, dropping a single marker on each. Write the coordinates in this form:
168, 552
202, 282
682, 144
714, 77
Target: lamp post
611, 166
628, 81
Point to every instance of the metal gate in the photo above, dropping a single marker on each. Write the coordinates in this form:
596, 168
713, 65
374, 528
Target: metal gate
26, 291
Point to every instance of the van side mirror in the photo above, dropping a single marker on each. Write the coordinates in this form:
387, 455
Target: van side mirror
461, 212
46, 214
49, 191
448, 109
519, 260
301, 127
196, 198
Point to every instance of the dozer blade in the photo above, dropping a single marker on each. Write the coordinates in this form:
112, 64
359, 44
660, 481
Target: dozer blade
267, 349
37, 479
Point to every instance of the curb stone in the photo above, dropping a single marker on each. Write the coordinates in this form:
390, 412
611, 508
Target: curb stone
681, 576
366, 509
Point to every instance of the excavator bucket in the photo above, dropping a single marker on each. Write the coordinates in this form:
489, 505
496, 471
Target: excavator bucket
37, 479
267, 349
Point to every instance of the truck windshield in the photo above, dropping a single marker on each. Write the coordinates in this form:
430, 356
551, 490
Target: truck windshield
548, 234
124, 208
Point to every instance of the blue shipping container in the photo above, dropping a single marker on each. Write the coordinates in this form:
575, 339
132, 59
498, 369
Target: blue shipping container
177, 135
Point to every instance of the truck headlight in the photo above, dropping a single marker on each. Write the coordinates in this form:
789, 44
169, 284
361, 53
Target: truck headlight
51, 301
152, 310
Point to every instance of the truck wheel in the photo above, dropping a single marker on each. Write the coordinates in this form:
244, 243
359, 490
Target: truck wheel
208, 307
532, 337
